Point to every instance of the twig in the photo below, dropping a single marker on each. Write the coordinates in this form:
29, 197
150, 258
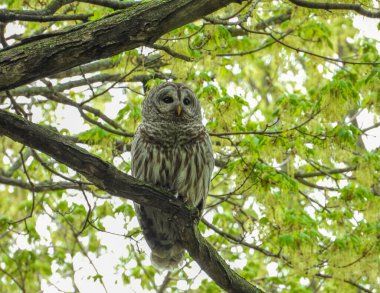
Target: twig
171, 52
33, 193
298, 50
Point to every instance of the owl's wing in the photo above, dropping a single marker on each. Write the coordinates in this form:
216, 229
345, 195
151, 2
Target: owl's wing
159, 232
207, 171
137, 156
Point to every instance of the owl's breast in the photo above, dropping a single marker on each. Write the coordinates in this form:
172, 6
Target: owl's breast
184, 167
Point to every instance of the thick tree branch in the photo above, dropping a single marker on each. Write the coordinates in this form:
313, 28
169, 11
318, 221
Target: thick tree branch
141, 24
207, 257
102, 174
108, 178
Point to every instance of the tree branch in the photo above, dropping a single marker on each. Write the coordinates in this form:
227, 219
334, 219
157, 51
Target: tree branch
47, 14
12, 15
140, 24
327, 172
337, 6
106, 177
47, 186
207, 257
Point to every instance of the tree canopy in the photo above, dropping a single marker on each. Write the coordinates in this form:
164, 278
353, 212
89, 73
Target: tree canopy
290, 92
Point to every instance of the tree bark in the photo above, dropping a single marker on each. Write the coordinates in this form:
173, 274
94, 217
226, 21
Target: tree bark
108, 178
213, 264
102, 174
141, 24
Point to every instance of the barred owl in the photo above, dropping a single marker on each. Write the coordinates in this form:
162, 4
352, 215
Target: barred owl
171, 149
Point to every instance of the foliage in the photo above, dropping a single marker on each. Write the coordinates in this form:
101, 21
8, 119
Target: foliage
295, 198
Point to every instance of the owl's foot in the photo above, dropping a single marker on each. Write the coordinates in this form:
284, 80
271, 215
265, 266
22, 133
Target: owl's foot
183, 198
174, 192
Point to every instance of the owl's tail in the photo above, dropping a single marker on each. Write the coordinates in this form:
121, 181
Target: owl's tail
169, 259
161, 234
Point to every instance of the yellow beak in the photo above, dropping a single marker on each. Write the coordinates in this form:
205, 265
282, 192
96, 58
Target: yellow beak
179, 110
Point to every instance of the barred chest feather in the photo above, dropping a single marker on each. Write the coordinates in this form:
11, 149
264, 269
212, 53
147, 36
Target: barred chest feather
176, 159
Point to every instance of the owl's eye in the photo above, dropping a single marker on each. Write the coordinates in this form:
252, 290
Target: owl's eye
168, 100
186, 101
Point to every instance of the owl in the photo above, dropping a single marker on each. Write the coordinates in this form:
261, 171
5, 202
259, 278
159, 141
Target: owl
171, 149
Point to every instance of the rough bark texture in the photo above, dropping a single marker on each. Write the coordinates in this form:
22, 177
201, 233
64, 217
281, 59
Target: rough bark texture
115, 182
102, 174
207, 257
124, 30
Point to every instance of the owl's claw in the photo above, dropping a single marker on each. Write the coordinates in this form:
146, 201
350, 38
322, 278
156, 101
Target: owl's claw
173, 192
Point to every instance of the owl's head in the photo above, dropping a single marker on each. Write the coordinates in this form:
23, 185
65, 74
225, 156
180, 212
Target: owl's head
171, 102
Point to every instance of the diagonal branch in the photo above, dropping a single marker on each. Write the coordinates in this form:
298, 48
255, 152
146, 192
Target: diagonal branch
140, 24
104, 175
213, 264
108, 178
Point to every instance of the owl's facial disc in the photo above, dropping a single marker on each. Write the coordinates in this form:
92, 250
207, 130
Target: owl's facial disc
173, 102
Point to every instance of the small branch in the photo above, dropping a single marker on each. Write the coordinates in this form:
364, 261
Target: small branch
165, 283
313, 185
266, 44
111, 3
33, 193
337, 6
313, 201
60, 87
17, 164
376, 125
243, 18
42, 187
46, 15
60, 98
265, 132
277, 19
171, 52
3, 41
298, 50
12, 15
240, 240
13, 279
346, 281
324, 173
89, 212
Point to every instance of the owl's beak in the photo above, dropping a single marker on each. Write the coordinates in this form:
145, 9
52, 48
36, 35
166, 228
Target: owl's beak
179, 110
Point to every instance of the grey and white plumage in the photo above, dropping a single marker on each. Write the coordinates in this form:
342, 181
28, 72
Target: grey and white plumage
171, 149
